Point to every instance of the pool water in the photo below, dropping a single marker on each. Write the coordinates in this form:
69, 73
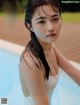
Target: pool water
9, 78
67, 92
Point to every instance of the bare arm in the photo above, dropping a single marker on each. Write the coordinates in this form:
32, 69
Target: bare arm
34, 80
73, 72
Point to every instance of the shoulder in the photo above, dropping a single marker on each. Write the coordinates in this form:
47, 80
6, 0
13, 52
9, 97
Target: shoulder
29, 60
30, 65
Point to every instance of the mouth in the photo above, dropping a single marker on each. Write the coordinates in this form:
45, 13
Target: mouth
51, 35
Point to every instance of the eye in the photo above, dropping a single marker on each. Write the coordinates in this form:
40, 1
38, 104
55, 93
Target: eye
55, 19
41, 22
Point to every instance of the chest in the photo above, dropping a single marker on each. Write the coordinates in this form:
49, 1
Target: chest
52, 62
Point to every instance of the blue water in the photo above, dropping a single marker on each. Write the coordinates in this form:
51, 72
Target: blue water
67, 92
10, 87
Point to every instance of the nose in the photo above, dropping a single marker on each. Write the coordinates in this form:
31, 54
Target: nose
50, 27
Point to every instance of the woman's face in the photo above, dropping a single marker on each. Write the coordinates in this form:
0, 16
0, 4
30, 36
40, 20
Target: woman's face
46, 24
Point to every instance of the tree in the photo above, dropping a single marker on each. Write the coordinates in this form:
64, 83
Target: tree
10, 5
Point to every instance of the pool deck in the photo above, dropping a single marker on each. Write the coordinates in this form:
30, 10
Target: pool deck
14, 31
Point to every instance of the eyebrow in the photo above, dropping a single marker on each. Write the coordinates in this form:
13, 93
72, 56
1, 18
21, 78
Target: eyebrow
45, 17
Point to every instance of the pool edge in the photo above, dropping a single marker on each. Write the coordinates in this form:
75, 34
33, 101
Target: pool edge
11, 46
19, 48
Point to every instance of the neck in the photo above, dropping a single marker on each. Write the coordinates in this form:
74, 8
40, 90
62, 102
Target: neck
46, 46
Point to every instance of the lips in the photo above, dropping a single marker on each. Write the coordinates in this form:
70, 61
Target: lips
50, 35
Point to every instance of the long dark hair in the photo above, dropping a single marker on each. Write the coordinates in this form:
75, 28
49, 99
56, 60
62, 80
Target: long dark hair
34, 45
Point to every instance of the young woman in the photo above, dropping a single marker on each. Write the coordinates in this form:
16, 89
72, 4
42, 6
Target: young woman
41, 61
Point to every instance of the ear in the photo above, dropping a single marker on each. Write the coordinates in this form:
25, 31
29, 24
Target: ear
29, 26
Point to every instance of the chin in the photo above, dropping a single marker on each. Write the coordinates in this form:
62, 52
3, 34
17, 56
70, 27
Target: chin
51, 41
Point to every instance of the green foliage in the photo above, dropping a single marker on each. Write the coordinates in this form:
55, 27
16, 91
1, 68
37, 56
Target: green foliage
24, 2
71, 17
12, 5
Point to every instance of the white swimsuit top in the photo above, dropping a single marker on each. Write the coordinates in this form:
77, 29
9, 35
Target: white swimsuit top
50, 85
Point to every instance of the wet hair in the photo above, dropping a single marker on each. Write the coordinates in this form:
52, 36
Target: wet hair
34, 45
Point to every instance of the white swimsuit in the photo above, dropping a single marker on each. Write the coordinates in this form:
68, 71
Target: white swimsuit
50, 85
